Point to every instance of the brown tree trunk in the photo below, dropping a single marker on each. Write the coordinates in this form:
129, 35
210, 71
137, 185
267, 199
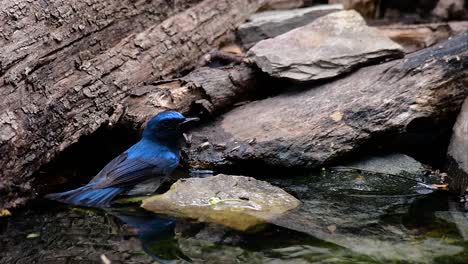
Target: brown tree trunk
67, 66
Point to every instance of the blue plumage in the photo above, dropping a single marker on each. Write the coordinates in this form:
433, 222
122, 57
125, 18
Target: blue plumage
156, 154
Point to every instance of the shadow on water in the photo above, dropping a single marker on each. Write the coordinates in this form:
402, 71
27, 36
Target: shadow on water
344, 218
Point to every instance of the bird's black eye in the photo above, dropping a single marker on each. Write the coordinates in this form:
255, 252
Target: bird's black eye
170, 123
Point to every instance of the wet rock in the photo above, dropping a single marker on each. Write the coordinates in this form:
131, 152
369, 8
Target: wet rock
378, 218
458, 152
234, 201
316, 125
367, 8
327, 47
270, 24
396, 164
333, 225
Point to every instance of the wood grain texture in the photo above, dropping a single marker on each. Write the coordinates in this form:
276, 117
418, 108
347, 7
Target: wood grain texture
67, 66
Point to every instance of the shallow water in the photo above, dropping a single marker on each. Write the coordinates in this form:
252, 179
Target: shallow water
344, 218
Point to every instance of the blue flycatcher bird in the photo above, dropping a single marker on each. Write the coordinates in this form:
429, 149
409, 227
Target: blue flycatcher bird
157, 154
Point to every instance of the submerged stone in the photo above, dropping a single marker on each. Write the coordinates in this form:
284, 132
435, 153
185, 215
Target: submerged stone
235, 201
396, 163
379, 215
327, 47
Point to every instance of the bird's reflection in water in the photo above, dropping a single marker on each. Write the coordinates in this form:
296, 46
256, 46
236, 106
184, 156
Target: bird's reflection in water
157, 233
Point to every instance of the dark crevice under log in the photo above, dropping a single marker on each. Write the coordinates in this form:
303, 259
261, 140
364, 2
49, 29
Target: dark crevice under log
318, 125
53, 96
204, 92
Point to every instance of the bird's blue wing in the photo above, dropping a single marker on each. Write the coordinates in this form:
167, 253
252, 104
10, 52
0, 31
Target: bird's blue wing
109, 167
126, 171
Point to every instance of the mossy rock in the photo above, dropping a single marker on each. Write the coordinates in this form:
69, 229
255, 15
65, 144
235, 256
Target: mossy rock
235, 201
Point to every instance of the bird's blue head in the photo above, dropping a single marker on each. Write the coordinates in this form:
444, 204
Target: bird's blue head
166, 126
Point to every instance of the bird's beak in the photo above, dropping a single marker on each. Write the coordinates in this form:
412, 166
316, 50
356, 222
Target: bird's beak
189, 120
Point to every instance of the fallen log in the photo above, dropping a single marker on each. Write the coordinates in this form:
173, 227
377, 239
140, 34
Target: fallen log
35, 32
314, 125
66, 92
208, 90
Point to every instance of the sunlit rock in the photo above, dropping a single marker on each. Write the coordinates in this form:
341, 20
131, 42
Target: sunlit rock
235, 201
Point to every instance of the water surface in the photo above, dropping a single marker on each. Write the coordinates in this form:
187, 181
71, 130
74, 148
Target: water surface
344, 218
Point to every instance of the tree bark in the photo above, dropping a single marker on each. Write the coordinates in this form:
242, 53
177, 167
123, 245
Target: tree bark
313, 126
66, 67
34, 30
208, 90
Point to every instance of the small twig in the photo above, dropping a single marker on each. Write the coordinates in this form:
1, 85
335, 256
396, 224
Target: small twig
222, 55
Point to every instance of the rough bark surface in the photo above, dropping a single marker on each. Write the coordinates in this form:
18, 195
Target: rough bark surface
208, 89
308, 128
33, 31
69, 81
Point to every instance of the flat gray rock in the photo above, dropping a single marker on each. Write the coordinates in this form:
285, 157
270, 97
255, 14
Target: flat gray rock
458, 152
327, 47
270, 24
235, 201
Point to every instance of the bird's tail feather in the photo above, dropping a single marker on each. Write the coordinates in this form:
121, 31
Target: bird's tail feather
87, 196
